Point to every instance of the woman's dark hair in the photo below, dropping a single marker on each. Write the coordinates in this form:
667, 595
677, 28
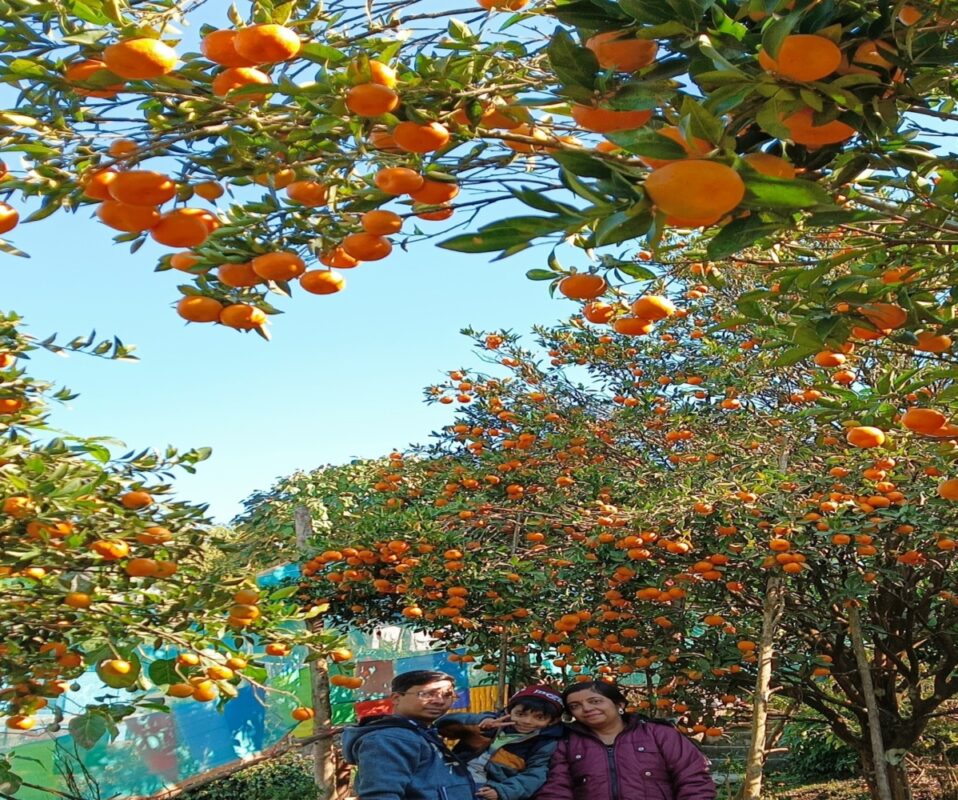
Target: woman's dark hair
604, 688
404, 681
536, 704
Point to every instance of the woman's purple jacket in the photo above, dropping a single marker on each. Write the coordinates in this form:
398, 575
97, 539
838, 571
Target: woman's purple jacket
648, 761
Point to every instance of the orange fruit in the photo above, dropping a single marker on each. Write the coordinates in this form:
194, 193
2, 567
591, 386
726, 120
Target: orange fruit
96, 184
382, 139
77, 600
9, 218
865, 436
237, 275
180, 690
435, 192
124, 217
503, 5
122, 147
347, 681
803, 130
582, 286
908, 15
337, 257
367, 246
930, 342
322, 281
220, 48
653, 307
301, 714
371, 100
279, 266
695, 189
111, 549
828, 359
88, 70
209, 190
607, 120
803, 57
923, 420
526, 130
436, 214
372, 71
18, 507
398, 180
136, 499
205, 691
948, 490
233, 78
621, 51
21, 722
277, 649
277, 178
693, 149
884, 316
196, 308
242, 317
184, 261
179, 228
267, 43
770, 165
307, 193
155, 534
870, 53
416, 138
141, 187
381, 223
140, 567
139, 59
632, 326
598, 312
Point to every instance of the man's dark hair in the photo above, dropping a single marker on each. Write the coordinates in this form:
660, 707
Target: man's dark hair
536, 704
404, 681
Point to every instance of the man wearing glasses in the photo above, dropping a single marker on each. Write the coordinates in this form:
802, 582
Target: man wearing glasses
400, 756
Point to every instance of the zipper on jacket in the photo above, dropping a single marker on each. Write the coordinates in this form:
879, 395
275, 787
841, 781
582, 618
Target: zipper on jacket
613, 774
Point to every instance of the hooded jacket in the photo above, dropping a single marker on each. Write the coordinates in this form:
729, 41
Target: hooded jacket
516, 770
399, 759
648, 760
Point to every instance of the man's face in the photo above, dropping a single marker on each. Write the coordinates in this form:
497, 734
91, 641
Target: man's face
425, 702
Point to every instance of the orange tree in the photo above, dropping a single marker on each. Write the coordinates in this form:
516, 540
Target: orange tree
336, 126
617, 503
101, 567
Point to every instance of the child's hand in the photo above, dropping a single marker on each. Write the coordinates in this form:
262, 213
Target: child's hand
487, 793
493, 723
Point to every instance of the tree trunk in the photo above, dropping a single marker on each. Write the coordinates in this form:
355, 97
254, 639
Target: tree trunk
881, 766
895, 778
755, 760
324, 765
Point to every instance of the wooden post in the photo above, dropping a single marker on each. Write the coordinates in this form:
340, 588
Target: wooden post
324, 765
755, 760
868, 692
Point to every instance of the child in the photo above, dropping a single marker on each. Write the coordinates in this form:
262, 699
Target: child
508, 755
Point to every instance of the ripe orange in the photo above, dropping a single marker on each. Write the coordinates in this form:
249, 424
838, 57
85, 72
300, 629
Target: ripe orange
803, 57
371, 100
621, 51
827, 359
346, 681
9, 217
307, 193
322, 281
180, 228
930, 342
196, 308
582, 286
694, 149
695, 189
279, 266
140, 59
770, 165
367, 246
136, 499
908, 15
18, 507
220, 48
141, 187
140, 567
155, 534
110, 549
337, 257
653, 307
180, 690
503, 5
237, 275
598, 312
803, 130
923, 420
209, 190
398, 180
96, 184
884, 316
234, 78
607, 120
205, 691
21, 722
122, 147
436, 215
77, 600
382, 139
415, 138
88, 70
381, 223
124, 217
870, 53
372, 71
865, 436
267, 43
948, 490
633, 326
301, 714
277, 649
435, 192
276, 178
242, 317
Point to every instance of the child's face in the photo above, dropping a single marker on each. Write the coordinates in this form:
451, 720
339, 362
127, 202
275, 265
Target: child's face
526, 720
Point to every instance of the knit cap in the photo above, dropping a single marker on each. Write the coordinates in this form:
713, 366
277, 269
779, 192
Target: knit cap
547, 693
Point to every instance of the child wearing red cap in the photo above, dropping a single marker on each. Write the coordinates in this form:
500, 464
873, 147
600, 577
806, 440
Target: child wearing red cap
508, 755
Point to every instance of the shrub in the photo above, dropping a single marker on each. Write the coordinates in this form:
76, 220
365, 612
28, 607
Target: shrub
815, 752
288, 777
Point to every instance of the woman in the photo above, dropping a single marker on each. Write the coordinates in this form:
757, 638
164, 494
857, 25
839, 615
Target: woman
609, 754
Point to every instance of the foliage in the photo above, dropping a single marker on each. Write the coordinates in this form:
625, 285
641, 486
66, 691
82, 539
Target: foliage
815, 753
288, 777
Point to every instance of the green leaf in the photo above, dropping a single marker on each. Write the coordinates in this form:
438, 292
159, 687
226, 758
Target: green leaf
775, 31
537, 200
650, 143
739, 234
87, 729
623, 226
541, 275
763, 191
635, 270
697, 122
163, 672
572, 64
286, 591
583, 165
795, 354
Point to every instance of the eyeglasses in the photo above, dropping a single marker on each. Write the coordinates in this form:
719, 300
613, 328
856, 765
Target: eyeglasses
435, 694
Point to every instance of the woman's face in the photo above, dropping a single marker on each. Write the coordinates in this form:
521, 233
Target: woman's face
592, 709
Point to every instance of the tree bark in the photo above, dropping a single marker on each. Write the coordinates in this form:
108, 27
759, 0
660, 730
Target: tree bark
324, 765
880, 764
755, 760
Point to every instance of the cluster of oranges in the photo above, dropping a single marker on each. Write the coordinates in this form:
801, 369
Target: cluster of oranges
201, 677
